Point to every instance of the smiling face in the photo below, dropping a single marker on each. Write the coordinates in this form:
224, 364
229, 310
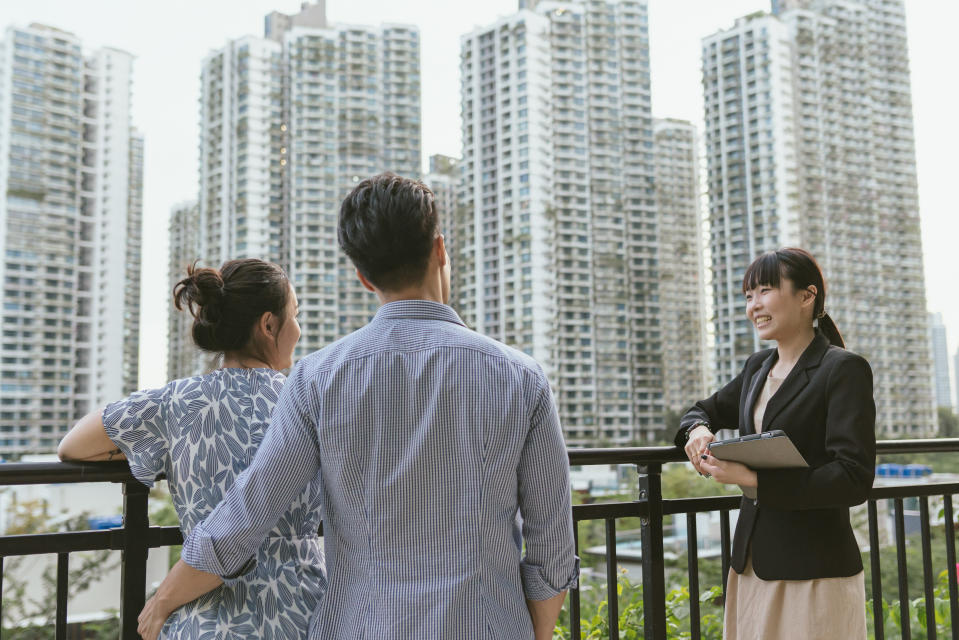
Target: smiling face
779, 313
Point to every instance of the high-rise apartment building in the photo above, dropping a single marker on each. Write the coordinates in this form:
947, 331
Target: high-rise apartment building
955, 373
556, 251
940, 360
352, 110
71, 180
183, 357
290, 122
681, 269
810, 143
444, 180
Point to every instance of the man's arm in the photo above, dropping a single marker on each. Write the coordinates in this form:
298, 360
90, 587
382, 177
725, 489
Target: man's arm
226, 542
550, 565
544, 614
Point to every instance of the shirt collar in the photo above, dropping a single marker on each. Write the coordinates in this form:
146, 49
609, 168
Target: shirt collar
417, 310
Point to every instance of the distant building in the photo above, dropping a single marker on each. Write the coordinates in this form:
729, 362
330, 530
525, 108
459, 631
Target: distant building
679, 241
71, 180
184, 358
290, 122
955, 373
940, 360
809, 142
444, 180
556, 248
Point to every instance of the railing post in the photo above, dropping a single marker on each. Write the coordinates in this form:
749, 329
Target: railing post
133, 576
654, 567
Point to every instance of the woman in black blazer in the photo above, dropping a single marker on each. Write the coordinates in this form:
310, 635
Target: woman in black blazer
796, 570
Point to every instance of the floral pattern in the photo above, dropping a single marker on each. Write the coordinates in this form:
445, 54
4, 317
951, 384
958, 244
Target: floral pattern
202, 432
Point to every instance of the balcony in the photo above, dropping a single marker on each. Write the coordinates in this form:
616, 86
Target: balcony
656, 616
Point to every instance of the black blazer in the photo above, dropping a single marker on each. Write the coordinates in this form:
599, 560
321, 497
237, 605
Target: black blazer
798, 527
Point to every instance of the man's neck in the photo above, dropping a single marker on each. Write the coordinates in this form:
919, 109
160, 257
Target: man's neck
429, 293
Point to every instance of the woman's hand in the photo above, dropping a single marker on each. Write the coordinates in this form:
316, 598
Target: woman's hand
726, 472
152, 618
696, 445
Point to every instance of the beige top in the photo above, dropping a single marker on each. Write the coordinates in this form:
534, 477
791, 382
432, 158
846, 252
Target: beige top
770, 387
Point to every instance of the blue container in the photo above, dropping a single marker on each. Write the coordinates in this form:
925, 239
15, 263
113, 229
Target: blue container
105, 522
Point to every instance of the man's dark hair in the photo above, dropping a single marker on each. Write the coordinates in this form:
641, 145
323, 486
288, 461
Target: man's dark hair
387, 227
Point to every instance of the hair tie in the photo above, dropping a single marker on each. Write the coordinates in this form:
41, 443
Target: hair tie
822, 314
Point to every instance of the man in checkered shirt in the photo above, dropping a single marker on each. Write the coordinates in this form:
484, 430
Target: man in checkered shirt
445, 480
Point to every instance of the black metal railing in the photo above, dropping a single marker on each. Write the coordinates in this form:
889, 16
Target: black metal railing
651, 508
135, 537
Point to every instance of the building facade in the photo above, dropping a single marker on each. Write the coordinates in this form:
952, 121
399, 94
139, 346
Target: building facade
681, 267
556, 248
955, 373
71, 181
940, 360
810, 143
184, 359
290, 122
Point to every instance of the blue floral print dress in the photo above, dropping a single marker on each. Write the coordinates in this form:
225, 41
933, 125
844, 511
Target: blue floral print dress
202, 432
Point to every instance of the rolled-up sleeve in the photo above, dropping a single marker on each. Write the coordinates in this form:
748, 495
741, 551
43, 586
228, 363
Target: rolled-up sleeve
550, 565
226, 542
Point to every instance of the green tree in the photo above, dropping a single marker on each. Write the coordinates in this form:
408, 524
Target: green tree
29, 517
948, 423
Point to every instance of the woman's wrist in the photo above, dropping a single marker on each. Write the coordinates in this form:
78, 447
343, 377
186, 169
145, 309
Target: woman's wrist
692, 429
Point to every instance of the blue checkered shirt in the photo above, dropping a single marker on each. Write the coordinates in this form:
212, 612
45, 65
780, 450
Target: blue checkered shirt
440, 453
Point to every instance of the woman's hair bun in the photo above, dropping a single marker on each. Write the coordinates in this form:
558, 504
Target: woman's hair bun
225, 303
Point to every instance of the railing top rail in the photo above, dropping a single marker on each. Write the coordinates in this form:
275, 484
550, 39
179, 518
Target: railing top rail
16, 473
21, 473
925, 445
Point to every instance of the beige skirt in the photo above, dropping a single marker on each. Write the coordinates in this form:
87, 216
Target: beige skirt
819, 609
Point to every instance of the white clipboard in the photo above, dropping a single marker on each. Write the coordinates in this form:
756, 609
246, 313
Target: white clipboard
767, 450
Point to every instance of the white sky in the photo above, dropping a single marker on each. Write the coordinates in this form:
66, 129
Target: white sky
169, 40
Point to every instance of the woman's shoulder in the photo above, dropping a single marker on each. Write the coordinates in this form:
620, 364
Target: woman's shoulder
232, 377
837, 356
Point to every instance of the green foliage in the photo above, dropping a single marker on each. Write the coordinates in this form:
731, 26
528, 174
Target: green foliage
85, 569
892, 616
948, 423
594, 607
889, 569
680, 480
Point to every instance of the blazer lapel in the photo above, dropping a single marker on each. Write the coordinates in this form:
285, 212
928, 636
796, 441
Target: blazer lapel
797, 379
755, 384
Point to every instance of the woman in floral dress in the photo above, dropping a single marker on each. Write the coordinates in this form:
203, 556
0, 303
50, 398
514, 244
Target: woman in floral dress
202, 432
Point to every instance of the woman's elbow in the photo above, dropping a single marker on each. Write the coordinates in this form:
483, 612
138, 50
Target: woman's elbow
67, 449
861, 486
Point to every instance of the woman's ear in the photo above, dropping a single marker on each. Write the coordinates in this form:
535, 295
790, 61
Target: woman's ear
268, 325
809, 295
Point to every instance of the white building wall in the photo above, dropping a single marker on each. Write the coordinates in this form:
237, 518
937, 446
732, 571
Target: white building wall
556, 252
111, 72
751, 167
681, 276
65, 138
